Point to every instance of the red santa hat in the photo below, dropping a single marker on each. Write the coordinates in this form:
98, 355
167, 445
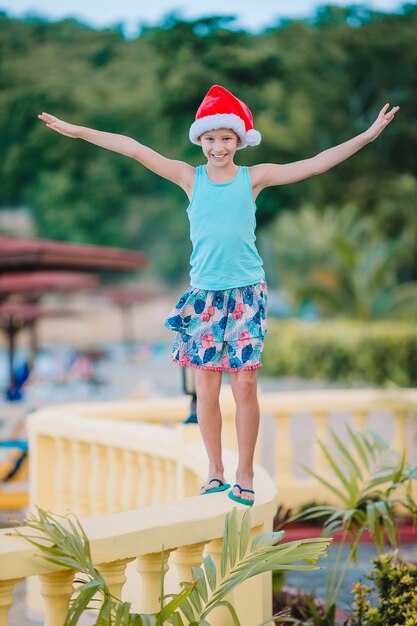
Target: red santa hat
221, 109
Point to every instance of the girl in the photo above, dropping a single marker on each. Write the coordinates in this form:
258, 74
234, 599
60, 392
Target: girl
220, 320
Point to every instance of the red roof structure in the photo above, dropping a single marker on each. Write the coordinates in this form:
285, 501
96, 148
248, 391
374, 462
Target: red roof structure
36, 284
30, 254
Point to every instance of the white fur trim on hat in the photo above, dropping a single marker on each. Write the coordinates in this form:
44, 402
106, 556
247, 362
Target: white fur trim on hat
221, 120
253, 137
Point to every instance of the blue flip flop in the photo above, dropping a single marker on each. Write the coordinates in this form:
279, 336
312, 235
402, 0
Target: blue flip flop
232, 496
222, 487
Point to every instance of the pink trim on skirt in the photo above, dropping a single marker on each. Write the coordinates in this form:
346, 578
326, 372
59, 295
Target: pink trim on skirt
217, 369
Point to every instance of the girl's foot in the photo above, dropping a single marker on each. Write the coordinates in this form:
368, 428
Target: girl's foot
245, 481
214, 483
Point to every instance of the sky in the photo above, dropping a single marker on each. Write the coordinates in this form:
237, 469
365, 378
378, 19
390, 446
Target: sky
252, 15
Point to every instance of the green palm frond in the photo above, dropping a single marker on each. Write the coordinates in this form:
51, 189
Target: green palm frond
66, 544
265, 555
367, 476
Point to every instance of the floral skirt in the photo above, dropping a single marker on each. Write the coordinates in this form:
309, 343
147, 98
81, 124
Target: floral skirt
220, 330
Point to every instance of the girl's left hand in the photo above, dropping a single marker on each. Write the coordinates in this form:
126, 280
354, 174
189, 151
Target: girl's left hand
381, 122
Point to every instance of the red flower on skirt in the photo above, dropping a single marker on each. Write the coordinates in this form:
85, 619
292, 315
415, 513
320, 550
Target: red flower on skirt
207, 341
209, 312
243, 339
239, 311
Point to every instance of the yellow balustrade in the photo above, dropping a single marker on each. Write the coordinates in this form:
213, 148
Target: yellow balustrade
56, 590
103, 469
130, 470
6, 599
115, 576
319, 409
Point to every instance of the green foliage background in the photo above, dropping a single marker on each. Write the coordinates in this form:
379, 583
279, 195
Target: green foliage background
310, 83
349, 352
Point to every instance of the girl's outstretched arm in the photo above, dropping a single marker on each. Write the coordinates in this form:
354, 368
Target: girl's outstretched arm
177, 172
268, 174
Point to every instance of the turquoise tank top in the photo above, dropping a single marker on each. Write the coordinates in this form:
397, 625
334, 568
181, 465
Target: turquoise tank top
222, 231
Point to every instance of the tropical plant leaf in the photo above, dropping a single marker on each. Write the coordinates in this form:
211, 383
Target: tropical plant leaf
335, 467
232, 536
200, 582
148, 620
371, 516
379, 443
178, 601
104, 615
353, 468
328, 485
175, 619
187, 609
273, 558
313, 512
79, 605
135, 620
223, 565
384, 509
211, 572
232, 611
122, 613
333, 527
195, 600
267, 540
357, 440
244, 533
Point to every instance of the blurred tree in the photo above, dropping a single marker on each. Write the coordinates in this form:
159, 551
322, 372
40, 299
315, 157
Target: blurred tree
311, 84
333, 259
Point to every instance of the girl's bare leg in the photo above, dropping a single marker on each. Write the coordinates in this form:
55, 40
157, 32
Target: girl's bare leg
208, 385
244, 388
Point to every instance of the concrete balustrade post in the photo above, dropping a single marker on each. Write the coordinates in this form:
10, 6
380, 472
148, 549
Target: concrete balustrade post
130, 481
144, 487
400, 443
114, 480
360, 419
320, 421
183, 559
283, 450
169, 470
98, 479
115, 576
62, 476
157, 493
150, 567
80, 504
56, 590
6, 599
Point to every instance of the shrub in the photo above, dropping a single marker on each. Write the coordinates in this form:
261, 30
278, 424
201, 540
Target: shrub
349, 352
391, 599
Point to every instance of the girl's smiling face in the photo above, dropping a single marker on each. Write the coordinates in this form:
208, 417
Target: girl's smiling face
219, 146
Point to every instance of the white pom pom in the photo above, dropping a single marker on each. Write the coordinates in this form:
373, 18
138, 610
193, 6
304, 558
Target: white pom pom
253, 137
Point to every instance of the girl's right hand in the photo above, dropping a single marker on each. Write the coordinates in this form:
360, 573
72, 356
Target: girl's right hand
64, 128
